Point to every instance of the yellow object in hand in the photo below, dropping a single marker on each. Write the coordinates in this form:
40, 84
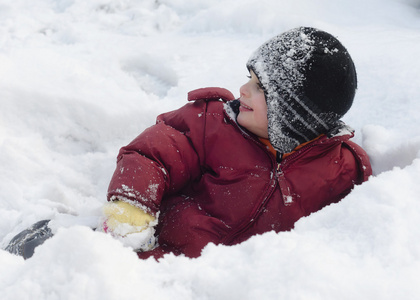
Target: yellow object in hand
119, 212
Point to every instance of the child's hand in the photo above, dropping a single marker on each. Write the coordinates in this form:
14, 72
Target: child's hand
118, 212
130, 224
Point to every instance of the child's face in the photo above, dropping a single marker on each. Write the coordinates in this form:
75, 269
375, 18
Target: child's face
253, 109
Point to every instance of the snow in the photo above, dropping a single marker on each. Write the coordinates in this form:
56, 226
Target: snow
79, 79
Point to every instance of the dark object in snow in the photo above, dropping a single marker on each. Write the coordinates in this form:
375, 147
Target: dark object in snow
24, 243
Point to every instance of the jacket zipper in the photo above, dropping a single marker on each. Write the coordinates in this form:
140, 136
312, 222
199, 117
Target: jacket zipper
284, 187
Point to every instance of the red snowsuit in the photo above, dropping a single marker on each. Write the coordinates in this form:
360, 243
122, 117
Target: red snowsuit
213, 181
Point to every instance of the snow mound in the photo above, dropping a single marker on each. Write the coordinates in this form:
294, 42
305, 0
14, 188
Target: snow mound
79, 79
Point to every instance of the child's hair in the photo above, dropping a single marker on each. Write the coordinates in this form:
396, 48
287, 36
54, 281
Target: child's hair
309, 82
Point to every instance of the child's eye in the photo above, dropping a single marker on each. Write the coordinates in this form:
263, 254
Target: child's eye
248, 76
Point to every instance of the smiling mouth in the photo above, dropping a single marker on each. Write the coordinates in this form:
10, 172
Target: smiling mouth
245, 107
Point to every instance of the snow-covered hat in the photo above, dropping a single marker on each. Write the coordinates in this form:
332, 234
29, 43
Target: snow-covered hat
309, 82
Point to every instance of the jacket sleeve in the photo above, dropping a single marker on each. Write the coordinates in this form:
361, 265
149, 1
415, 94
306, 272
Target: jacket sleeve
167, 156
161, 160
363, 163
334, 169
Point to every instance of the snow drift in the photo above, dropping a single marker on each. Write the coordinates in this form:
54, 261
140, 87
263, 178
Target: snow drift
79, 79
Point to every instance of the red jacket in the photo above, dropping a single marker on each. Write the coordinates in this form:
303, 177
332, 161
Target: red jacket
212, 181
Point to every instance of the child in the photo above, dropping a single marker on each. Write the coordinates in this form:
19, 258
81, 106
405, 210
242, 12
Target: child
221, 170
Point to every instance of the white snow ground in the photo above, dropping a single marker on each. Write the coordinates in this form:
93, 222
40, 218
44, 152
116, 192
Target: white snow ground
79, 79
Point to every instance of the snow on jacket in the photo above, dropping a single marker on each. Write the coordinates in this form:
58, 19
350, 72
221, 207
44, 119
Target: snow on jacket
209, 180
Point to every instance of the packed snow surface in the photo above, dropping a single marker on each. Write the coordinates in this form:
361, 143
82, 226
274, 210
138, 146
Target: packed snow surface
79, 79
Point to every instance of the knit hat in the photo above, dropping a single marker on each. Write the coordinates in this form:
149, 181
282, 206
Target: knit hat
309, 81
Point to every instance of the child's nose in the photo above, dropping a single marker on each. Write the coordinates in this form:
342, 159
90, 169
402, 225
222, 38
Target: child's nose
243, 91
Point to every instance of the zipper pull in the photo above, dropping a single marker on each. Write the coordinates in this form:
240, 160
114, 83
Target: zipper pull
284, 187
